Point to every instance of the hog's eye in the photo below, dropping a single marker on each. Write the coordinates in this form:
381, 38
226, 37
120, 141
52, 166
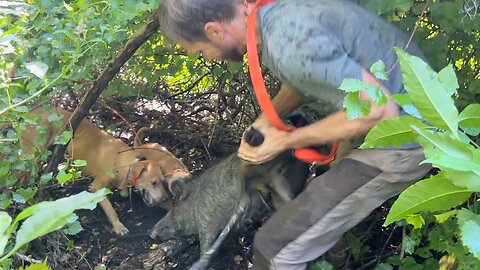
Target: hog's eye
155, 183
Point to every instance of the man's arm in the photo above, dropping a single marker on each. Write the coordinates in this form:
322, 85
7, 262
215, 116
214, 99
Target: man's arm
286, 100
336, 126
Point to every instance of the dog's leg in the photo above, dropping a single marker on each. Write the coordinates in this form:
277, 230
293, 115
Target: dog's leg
118, 227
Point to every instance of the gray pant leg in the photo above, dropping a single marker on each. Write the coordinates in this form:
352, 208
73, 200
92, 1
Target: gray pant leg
332, 204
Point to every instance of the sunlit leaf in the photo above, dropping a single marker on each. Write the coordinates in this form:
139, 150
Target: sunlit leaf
353, 85
393, 132
378, 70
427, 92
417, 221
441, 218
432, 194
38, 69
5, 221
470, 234
448, 78
50, 216
404, 101
355, 106
468, 179
470, 117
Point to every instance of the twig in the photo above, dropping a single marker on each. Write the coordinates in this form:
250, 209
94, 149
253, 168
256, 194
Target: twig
422, 15
386, 243
26, 258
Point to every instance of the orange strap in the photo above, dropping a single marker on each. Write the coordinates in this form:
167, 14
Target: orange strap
307, 154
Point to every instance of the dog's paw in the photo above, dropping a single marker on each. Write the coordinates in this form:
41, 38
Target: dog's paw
120, 229
178, 188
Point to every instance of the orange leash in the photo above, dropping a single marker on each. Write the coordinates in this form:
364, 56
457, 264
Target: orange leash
308, 155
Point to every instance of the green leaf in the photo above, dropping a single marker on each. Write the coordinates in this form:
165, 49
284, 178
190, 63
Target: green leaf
437, 144
64, 138
378, 70
46, 217
444, 161
46, 177
79, 163
470, 117
355, 106
383, 266
395, 131
23, 195
354, 85
441, 218
38, 266
427, 92
63, 177
321, 265
5, 221
448, 78
432, 194
404, 101
465, 215
417, 221
470, 234
54, 117
73, 228
38, 69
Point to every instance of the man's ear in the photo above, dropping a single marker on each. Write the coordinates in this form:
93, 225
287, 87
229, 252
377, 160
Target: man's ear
214, 31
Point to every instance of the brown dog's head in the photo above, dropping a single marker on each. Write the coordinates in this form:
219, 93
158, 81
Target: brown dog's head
174, 171
149, 179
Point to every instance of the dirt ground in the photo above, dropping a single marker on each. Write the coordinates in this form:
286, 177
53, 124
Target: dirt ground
96, 247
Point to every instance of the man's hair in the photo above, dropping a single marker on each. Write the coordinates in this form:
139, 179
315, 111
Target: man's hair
186, 19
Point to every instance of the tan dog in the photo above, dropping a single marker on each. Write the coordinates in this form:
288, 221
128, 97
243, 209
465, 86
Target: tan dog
111, 163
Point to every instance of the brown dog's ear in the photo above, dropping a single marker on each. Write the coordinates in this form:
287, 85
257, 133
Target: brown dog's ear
136, 170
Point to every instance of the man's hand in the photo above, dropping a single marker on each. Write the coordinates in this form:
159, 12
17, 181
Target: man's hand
274, 143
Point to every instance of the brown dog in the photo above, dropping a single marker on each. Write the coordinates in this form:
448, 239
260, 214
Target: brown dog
112, 163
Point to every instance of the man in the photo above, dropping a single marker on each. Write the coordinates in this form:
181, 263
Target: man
311, 45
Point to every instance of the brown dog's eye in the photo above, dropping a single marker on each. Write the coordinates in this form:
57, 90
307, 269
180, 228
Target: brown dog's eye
155, 183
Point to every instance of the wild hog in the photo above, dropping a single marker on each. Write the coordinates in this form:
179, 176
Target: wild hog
218, 200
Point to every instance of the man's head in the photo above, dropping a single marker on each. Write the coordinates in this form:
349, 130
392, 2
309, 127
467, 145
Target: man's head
214, 28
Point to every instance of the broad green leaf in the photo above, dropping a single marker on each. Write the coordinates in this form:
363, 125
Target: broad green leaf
465, 215
404, 101
356, 107
467, 179
416, 220
51, 216
354, 85
378, 70
438, 143
444, 161
470, 234
395, 131
410, 243
441, 218
432, 194
470, 116
5, 221
448, 78
38, 69
427, 92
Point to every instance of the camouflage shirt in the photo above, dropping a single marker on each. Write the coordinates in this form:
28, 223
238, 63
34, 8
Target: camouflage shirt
313, 45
